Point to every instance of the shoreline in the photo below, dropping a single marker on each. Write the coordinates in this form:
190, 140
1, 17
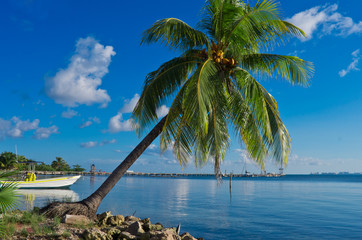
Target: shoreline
228, 175
21, 225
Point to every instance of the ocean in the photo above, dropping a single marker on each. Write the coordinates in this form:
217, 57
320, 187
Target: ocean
287, 207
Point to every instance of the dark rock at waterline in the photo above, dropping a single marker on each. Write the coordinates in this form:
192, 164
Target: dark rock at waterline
187, 236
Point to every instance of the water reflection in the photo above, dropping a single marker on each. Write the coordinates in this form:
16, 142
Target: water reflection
92, 181
43, 196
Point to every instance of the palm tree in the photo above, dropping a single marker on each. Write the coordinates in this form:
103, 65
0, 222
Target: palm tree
60, 164
7, 160
212, 88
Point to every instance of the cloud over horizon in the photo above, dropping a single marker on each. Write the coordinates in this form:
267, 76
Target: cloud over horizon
79, 82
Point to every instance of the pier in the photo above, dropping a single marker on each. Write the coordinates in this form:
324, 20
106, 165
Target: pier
234, 175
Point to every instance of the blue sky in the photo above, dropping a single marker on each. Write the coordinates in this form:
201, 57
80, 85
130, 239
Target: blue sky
71, 72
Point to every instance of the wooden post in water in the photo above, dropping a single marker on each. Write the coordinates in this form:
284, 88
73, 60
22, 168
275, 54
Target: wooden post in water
231, 176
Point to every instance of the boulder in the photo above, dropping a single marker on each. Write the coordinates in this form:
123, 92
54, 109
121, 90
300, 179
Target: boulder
152, 227
165, 234
95, 234
145, 236
135, 229
132, 219
127, 236
115, 220
187, 236
113, 231
76, 219
103, 217
146, 220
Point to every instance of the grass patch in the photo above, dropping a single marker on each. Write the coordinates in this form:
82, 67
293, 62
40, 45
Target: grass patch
56, 221
24, 232
66, 234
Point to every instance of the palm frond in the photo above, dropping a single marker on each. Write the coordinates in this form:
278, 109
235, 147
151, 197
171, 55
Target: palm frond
199, 95
246, 126
176, 34
258, 27
293, 69
217, 16
8, 196
160, 84
265, 111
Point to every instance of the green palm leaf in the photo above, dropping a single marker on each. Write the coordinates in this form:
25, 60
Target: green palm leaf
8, 197
176, 34
160, 84
293, 69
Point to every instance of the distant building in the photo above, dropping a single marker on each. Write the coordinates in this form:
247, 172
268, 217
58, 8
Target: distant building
93, 168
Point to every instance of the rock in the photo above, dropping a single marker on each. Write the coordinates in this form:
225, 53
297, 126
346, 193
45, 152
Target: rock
187, 236
76, 219
115, 220
152, 227
146, 220
132, 218
127, 236
145, 236
135, 229
113, 231
166, 234
95, 234
103, 217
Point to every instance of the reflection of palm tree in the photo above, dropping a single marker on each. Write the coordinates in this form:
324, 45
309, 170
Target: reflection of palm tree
213, 89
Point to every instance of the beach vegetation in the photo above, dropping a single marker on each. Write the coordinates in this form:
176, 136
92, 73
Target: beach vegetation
214, 89
8, 197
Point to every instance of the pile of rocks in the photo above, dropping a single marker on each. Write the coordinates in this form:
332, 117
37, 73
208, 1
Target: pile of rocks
129, 228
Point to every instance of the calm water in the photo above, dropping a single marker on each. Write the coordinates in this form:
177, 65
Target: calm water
291, 207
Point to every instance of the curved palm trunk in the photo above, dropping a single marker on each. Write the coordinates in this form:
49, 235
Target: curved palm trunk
89, 206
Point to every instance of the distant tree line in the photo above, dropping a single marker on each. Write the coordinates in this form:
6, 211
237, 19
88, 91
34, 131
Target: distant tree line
9, 160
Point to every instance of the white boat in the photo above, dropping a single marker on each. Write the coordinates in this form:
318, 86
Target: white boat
58, 182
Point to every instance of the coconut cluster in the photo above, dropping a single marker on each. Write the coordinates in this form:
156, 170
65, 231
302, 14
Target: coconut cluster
218, 56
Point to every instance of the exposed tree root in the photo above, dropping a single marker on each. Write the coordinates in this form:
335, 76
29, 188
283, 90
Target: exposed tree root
60, 209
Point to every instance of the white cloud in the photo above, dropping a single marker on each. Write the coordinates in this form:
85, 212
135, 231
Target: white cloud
152, 146
244, 157
95, 120
326, 17
117, 124
69, 113
107, 142
305, 161
79, 82
89, 144
43, 133
162, 111
86, 124
15, 127
89, 122
92, 144
353, 65
130, 104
